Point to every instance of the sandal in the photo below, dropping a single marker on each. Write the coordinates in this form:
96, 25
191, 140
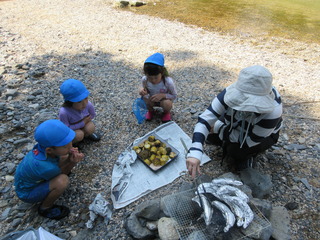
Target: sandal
56, 212
95, 137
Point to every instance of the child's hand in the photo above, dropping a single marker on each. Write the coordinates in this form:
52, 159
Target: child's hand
75, 155
143, 92
158, 97
87, 119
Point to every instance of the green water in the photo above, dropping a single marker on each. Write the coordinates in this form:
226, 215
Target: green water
292, 19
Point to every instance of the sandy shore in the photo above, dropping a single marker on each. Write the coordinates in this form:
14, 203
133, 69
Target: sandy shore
106, 47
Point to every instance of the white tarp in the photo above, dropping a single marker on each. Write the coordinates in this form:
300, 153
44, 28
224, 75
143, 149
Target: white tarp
132, 179
31, 234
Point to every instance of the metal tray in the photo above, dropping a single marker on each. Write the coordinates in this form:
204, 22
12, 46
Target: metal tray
151, 166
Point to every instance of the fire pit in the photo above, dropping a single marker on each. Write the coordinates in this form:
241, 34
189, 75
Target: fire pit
190, 224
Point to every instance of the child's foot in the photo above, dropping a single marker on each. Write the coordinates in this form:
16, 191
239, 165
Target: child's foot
95, 137
56, 212
166, 117
149, 115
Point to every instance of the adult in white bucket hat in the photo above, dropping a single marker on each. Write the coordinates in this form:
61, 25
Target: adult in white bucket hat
244, 119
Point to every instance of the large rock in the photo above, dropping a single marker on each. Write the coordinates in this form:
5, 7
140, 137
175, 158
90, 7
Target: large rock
260, 184
134, 228
280, 220
166, 229
149, 210
263, 205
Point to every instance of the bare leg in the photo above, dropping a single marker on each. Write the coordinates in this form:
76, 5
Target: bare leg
89, 128
166, 105
79, 136
57, 186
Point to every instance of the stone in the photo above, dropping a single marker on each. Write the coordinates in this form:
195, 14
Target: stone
16, 222
34, 106
306, 183
3, 203
73, 233
291, 205
11, 92
264, 206
21, 141
280, 220
167, 230
134, 228
152, 226
260, 184
5, 213
9, 178
11, 167
149, 210
295, 147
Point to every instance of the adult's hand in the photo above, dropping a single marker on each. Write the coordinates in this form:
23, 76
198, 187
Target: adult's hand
193, 166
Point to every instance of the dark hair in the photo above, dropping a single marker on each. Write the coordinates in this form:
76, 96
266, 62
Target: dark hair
154, 69
67, 104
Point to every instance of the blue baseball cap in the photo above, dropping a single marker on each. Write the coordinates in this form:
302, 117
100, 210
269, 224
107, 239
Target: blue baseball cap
73, 90
156, 58
53, 133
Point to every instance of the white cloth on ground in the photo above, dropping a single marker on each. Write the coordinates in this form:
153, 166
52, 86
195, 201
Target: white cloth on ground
132, 179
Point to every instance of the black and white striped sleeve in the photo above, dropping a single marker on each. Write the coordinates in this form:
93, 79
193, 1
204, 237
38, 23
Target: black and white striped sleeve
205, 122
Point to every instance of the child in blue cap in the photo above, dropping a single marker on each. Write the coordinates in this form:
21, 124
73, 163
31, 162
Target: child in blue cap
158, 89
77, 111
42, 176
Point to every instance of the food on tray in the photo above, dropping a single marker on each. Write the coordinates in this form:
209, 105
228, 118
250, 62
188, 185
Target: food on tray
154, 152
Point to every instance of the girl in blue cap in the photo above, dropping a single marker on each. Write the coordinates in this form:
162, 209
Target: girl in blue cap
42, 176
158, 89
77, 111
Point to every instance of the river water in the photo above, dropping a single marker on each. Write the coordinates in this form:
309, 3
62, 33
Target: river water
291, 19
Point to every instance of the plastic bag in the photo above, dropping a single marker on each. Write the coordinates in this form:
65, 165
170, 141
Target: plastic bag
139, 109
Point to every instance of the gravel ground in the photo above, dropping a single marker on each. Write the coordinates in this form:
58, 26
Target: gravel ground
44, 42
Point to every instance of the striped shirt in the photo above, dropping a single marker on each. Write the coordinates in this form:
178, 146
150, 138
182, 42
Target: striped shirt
247, 129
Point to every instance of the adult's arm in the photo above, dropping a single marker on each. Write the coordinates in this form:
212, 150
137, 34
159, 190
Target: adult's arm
205, 122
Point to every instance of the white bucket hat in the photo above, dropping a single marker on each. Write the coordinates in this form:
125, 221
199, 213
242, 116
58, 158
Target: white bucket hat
252, 92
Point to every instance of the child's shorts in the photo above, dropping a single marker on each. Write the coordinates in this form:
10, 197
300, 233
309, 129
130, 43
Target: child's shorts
38, 194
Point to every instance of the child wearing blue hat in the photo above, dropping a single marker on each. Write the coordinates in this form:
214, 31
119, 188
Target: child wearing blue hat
42, 176
77, 111
158, 89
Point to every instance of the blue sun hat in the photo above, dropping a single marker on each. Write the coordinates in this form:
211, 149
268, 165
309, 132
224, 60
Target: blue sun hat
156, 58
53, 133
73, 90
